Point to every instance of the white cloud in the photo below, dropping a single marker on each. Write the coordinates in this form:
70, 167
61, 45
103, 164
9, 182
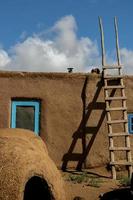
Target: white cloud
4, 58
37, 55
127, 60
65, 49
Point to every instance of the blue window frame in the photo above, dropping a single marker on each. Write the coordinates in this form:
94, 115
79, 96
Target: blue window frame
130, 123
25, 114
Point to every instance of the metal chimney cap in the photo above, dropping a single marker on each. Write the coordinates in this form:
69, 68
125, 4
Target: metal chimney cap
70, 69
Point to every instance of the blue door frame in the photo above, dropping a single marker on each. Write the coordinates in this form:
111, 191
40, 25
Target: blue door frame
34, 104
130, 123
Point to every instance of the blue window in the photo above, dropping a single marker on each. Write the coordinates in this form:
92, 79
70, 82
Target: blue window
25, 114
130, 123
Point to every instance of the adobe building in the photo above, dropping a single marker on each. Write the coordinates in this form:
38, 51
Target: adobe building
67, 110
26, 170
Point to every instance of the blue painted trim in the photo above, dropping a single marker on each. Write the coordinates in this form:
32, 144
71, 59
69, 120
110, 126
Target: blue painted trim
130, 117
36, 106
13, 119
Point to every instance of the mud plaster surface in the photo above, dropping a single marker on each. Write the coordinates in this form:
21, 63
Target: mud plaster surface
23, 156
65, 100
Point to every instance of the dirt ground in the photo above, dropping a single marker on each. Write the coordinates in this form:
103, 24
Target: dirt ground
98, 182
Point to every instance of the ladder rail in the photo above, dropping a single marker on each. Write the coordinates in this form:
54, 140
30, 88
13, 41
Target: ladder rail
117, 42
123, 108
102, 42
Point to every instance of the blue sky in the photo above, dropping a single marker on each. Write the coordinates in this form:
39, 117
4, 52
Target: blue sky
30, 22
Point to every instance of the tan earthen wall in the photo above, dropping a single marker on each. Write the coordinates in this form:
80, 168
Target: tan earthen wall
71, 104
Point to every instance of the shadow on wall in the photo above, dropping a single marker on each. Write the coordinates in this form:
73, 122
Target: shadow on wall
83, 129
37, 188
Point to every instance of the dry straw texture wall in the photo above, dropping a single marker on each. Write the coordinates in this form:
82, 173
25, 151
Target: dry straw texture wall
23, 157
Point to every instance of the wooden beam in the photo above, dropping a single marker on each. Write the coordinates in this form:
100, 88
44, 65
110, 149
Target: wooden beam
117, 42
102, 42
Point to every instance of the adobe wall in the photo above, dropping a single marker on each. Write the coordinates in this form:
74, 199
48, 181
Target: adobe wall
71, 104
24, 158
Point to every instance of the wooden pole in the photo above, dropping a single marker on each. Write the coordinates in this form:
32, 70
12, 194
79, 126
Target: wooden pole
117, 41
102, 42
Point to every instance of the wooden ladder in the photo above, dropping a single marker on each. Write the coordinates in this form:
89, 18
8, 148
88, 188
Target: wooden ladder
115, 100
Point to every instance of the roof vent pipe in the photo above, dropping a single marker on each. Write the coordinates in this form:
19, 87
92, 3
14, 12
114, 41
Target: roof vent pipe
70, 69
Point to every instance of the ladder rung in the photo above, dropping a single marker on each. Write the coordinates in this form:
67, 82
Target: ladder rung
118, 134
112, 67
115, 98
113, 77
119, 149
114, 87
117, 121
123, 162
116, 109
114, 82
